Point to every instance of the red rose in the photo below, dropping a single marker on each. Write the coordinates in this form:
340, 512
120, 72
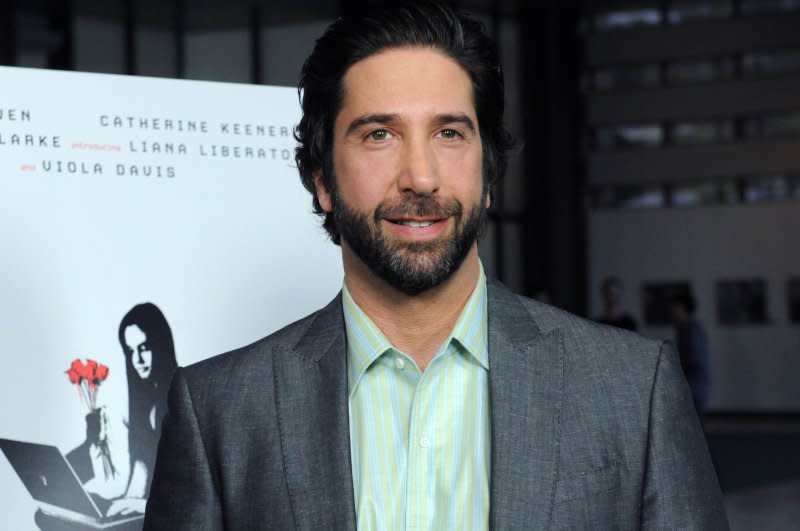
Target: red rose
77, 369
101, 373
74, 377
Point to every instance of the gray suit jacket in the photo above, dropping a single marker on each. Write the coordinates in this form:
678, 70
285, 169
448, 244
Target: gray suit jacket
592, 428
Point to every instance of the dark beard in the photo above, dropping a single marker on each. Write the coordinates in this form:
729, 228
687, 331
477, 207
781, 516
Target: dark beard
410, 267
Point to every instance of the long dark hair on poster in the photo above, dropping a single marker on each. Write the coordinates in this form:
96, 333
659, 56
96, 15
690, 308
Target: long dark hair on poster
146, 341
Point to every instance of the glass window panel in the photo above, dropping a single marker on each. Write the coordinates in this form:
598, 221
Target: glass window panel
765, 188
628, 197
692, 194
782, 126
699, 71
702, 132
771, 63
762, 6
728, 192
640, 197
623, 136
686, 11
32, 59
754, 127
741, 301
629, 18
793, 184
693, 72
34, 33
604, 197
776, 126
626, 77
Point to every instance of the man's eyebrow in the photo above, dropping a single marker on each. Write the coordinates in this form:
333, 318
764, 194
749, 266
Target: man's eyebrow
370, 119
385, 118
444, 119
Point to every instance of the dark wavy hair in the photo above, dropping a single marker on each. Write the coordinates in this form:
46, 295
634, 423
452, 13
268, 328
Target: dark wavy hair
143, 394
353, 38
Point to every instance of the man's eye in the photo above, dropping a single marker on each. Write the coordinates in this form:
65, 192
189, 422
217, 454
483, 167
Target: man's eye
449, 134
379, 134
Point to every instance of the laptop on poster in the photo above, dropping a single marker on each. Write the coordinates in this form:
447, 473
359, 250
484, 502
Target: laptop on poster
52, 482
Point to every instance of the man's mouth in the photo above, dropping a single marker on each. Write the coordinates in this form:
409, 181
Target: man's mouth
415, 228
414, 223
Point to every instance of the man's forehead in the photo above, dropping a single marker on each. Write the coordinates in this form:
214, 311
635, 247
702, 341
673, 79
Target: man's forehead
407, 80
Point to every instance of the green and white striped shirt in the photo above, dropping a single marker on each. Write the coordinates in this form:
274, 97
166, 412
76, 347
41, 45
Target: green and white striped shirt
420, 441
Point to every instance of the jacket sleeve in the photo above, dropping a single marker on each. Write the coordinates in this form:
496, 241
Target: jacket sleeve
183, 494
680, 489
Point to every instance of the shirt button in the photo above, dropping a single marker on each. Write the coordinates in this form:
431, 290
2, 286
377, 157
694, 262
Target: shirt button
400, 364
424, 442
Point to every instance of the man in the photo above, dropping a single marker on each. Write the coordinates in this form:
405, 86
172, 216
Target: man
692, 344
424, 396
614, 313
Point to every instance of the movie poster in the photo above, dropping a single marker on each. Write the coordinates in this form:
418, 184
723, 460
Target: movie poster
144, 224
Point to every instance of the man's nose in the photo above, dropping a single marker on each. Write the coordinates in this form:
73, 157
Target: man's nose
418, 171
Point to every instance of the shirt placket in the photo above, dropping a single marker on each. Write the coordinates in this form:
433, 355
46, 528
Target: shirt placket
420, 483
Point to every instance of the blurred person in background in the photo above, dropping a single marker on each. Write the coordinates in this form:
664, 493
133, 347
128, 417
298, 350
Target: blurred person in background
614, 313
692, 344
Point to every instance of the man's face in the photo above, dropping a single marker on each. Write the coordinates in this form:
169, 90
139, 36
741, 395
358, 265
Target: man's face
613, 293
409, 198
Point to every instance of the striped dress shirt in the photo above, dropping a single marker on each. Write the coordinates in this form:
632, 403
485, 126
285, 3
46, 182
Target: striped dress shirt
420, 441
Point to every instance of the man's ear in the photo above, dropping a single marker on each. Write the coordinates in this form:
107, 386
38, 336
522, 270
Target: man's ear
323, 195
488, 199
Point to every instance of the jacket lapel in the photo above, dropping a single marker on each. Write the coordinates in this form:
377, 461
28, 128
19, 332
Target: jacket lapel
525, 387
311, 400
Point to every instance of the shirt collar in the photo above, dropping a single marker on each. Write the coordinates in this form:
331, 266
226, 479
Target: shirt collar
366, 342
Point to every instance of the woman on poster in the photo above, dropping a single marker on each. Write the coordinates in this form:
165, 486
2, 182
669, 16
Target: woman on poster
146, 341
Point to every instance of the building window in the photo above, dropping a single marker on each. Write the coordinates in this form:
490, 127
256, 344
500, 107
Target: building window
686, 11
741, 301
627, 77
629, 18
764, 6
630, 136
681, 73
770, 63
774, 126
629, 197
703, 193
702, 132
765, 188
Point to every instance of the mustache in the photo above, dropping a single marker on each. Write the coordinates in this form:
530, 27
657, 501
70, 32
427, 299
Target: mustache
418, 206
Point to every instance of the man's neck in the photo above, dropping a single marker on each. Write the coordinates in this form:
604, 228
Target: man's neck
416, 325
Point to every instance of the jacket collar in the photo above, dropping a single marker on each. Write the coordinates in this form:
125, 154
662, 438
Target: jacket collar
525, 389
313, 421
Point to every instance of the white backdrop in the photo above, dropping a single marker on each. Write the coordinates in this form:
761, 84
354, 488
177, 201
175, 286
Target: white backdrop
226, 247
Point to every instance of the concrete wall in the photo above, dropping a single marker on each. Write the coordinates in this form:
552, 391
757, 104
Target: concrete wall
754, 367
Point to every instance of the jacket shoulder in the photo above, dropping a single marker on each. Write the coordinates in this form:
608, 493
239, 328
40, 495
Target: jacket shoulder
592, 339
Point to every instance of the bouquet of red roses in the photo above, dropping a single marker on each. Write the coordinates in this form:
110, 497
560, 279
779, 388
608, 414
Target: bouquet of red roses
87, 376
